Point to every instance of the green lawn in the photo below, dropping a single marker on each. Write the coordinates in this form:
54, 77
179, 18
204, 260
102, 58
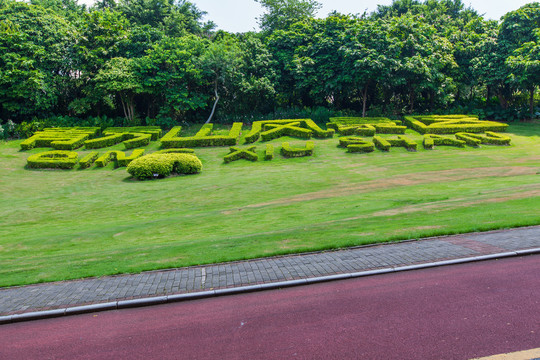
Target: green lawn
57, 225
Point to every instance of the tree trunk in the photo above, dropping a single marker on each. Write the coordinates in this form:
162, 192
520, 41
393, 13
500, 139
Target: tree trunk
364, 100
124, 107
215, 102
531, 101
488, 95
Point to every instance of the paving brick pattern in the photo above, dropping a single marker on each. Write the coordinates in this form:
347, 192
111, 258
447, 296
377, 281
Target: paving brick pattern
176, 281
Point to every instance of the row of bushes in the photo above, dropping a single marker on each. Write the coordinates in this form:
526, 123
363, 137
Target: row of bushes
368, 126
452, 124
249, 153
203, 137
272, 129
60, 138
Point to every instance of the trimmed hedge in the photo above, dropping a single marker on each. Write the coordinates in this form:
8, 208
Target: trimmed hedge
60, 138
381, 143
366, 126
175, 151
57, 159
201, 139
361, 130
279, 130
106, 141
88, 160
430, 141
138, 140
288, 151
162, 165
403, 141
269, 152
237, 153
258, 127
119, 157
447, 125
490, 138
356, 145
154, 131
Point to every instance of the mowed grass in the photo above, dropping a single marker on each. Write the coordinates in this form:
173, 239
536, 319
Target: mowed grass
57, 225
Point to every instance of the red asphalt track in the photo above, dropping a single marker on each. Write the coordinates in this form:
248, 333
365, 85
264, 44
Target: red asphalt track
453, 312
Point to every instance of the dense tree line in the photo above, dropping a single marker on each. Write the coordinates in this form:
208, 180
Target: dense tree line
157, 61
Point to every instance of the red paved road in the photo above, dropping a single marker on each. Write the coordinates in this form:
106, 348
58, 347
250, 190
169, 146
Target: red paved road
454, 312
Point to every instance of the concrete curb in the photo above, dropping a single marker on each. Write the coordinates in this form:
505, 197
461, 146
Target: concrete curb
157, 300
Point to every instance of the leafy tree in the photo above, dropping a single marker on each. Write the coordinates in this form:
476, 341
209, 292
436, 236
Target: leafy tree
221, 62
281, 14
118, 77
519, 34
35, 51
370, 56
170, 75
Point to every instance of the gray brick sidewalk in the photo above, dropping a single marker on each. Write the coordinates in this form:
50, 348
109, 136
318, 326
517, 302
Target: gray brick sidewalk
177, 281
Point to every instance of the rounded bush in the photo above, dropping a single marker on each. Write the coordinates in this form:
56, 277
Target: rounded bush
162, 165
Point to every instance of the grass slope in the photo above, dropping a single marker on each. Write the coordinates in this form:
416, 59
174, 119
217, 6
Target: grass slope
57, 225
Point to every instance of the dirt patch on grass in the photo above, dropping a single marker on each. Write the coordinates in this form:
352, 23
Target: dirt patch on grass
401, 180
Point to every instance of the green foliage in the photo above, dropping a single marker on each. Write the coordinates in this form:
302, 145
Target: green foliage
288, 151
175, 151
273, 129
118, 157
58, 159
381, 143
60, 138
430, 141
88, 160
280, 14
269, 152
366, 126
403, 141
356, 144
202, 138
154, 166
490, 138
237, 153
436, 124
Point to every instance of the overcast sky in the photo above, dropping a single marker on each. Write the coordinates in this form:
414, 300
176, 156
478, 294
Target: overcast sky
241, 15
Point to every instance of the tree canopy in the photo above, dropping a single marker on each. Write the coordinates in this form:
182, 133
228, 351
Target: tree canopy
160, 61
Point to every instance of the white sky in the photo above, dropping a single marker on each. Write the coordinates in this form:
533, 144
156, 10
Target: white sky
241, 15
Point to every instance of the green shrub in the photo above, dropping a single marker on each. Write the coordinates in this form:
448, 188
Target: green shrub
202, 138
154, 131
452, 125
175, 151
122, 160
276, 131
361, 148
138, 140
237, 153
356, 144
490, 138
57, 159
288, 151
88, 160
430, 141
468, 139
381, 143
269, 152
59, 138
266, 126
162, 165
368, 126
403, 141
106, 141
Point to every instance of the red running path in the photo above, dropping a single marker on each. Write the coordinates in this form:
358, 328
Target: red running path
453, 312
